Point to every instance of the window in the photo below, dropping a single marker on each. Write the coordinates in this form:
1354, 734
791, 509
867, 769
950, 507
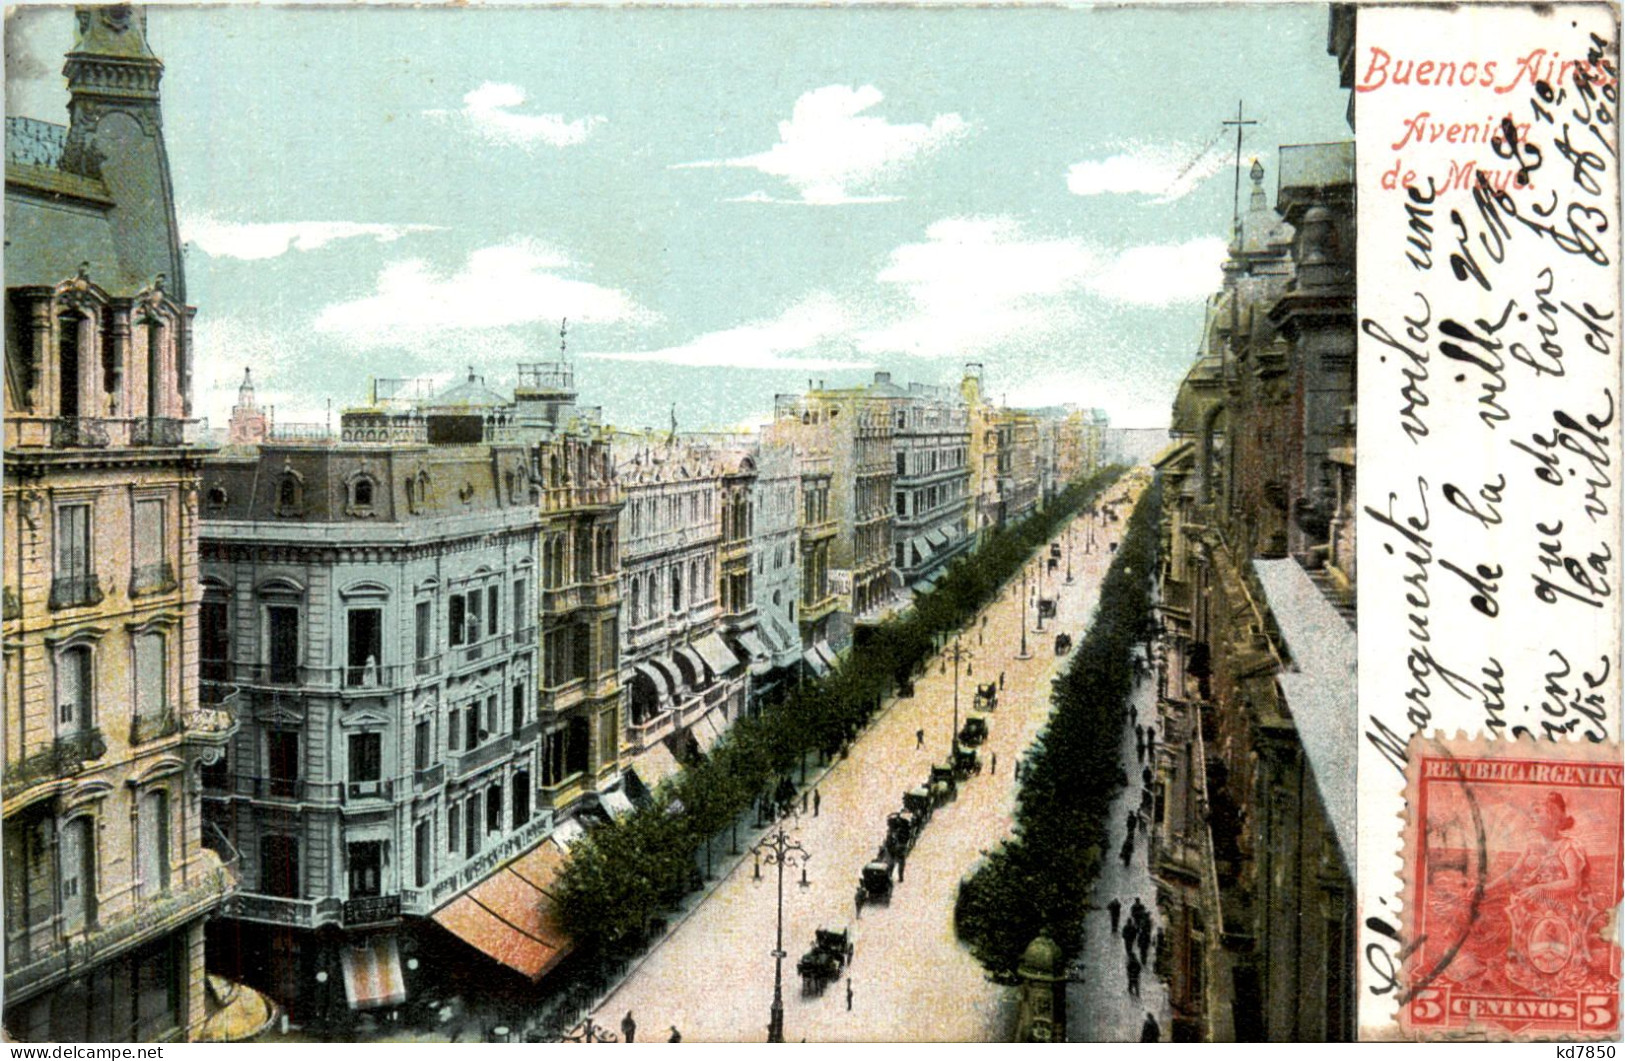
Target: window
422, 744
361, 493
491, 714
493, 808
902, 504
609, 645
151, 700
366, 759
580, 650
474, 615
75, 682
214, 641
518, 705
68, 326
366, 645
471, 827
471, 727
279, 866
425, 629
152, 841
422, 839
521, 798
282, 754
78, 862
493, 611
902, 464
74, 583
366, 864
283, 621
677, 588
287, 494
636, 609
575, 760
583, 551
454, 828
150, 542
520, 620
456, 618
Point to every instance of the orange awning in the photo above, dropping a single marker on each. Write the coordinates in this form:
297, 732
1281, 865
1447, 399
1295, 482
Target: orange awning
372, 973
509, 915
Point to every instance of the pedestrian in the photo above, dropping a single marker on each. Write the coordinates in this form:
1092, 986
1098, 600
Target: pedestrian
1127, 852
1001, 681
1115, 908
993, 763
1145, 776
1137, 911
1150, 1031
629, 1027
1131, 928
1145, 944
677, 1036
919, 738
1133, 976
1128, 822
805, 796
849, 994
817, 799
857, 902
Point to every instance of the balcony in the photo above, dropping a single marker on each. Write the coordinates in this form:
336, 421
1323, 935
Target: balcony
371, 910
490, 752
811, 532
152, 578
78, 432
275, 910
145, 728
75, 591
113, 935
285, 789
363, 791
65, 757
657, 727
429, 777
428, 667
158, 431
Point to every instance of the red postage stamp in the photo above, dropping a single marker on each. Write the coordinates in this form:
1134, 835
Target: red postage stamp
1512, 881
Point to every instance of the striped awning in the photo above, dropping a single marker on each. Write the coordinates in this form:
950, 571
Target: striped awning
687, 657
509, 915
655, 765
706, 731
669, 681
372, 972
661, 683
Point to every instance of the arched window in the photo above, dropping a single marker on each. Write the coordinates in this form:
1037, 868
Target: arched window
288, 492
75, 690
637, 613
363, 493
677, 588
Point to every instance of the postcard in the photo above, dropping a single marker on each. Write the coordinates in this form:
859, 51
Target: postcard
789, 523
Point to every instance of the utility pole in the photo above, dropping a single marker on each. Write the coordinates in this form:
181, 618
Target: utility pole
1239, 122
956, 656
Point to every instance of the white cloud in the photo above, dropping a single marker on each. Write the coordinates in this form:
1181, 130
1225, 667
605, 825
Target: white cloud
981, 284
830, 151
490, 111
799, 338
1165, 173
498, 287
254, 241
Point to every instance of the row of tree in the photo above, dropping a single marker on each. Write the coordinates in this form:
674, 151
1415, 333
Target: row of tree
626, 874
1040, 880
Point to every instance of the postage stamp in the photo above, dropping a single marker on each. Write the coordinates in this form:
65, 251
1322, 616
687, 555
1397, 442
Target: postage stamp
1512, 858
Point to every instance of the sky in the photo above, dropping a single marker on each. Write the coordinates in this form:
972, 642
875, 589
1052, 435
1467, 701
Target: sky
724, 203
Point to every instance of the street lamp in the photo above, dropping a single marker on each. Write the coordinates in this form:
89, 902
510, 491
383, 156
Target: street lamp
958, 655
780, 849
1042, 564
1070, 531
1024, 654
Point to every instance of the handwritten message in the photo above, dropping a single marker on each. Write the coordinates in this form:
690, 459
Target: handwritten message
1489, 391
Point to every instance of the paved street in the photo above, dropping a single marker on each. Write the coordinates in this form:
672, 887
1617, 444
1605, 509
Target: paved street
712, 977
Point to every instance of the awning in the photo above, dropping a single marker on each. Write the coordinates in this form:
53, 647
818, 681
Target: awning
815, 661
751, 643
667, 672
372, 972
823, 649
616, 803
509, 915
923, 547
566, 833
1319, 689
687, 657
706, 732
938, 538
661, 683
655, 765
717, 655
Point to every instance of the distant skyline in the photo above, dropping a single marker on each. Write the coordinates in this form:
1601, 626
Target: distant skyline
726, 203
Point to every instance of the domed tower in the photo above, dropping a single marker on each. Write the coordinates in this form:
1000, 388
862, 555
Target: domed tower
248, 425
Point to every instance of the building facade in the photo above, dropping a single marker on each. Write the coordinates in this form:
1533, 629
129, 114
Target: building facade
1255, 827
372, 608
775, 649
684, 684
932, 501
107, 880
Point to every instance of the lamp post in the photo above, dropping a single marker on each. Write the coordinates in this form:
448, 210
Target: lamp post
1070, 531
1024, 654
956, 655
779, 849
1042, 564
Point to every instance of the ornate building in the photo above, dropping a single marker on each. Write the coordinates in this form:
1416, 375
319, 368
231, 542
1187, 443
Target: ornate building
249, 424
107, 879
1254, 844
932, 501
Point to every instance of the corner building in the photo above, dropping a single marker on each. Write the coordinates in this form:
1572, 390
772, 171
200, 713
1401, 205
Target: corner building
108, 882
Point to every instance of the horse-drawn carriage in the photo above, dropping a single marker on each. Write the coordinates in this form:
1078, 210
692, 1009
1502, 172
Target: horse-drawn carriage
874, 883
966, 762
830, 953
974, 731
1054, 550
1063, 644
902, 829
1046, 607
987, 696
944, 785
